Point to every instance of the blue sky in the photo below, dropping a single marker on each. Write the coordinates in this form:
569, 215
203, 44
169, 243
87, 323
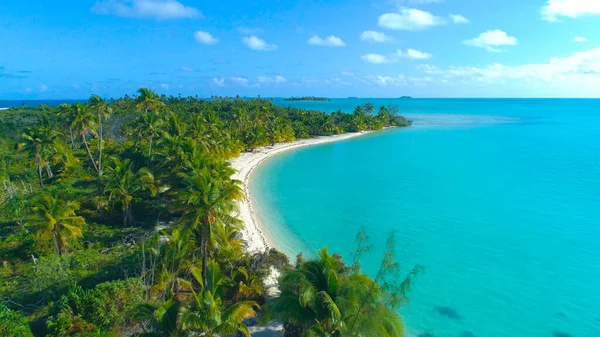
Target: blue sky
422, 48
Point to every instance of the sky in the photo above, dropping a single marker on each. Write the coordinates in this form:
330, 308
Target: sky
278, 48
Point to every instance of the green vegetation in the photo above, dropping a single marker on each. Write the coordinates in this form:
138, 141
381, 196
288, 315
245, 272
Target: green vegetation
117, 219
306, 98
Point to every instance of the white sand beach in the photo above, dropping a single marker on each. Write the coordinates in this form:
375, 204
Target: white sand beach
254, 233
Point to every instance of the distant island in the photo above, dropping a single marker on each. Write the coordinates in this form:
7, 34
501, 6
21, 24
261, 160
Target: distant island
352, 97
405, 97
306, 98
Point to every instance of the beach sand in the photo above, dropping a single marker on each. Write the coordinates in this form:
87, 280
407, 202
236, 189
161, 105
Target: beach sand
253, 233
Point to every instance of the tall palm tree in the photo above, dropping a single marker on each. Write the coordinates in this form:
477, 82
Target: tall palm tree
39, 141
123, 183
369, 108
148, 126
54, 217
208, 200
83, 124
103, 112
33, 145
148, 100
66, 112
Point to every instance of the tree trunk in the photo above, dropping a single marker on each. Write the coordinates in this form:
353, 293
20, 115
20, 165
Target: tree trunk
49, 171
87, 148
38, 160
204, 251
57, 249
100, 137
128, 215
72, 138
150, 147
99, 190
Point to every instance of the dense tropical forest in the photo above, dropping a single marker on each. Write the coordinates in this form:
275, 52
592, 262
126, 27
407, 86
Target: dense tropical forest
117, 218
306, 98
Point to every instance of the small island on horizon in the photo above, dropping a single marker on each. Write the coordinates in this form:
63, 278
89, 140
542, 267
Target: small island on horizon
306, 98
405, 97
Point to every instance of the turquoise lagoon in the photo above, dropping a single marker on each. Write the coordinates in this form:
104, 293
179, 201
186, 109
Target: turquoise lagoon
499, 200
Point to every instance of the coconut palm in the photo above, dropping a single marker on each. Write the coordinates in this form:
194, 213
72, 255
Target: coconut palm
54, 217
123, 183
208, 200
66, 112
103, 112
204, 315
159, 318
324, 297
39, 142
369, 108
148, 100
83, 124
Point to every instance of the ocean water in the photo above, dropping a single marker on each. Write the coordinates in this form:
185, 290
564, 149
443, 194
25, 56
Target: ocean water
498, 199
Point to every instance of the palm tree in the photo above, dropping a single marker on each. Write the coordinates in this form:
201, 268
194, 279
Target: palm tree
33, 145
208, 200
103, 112
148, 100
66, 111
369, 108
84, 123
324, 297
161, 317
205, 316
122, 184
39, 141
54, 217
148, 125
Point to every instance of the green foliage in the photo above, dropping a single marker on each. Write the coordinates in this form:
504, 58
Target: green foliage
12, 323
95, 312
72, 178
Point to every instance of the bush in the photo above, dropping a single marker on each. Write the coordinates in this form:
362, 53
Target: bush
95, 312
13, 323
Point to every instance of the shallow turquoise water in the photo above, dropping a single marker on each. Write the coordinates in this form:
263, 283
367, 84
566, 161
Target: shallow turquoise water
498, 199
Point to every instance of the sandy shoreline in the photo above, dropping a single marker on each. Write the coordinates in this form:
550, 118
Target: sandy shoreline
254, 231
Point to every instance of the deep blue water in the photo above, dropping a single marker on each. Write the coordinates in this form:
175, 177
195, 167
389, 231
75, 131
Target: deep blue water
498, 199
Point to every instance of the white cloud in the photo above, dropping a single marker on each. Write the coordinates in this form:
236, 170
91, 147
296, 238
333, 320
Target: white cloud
373, 36
414, 54
409, 19
240, 80
378, 59
205, 37
491, 39
276, 79
219, 82
154, 9
329, 41
580, 70
383, 59
164, 86
250, 30
256, 43
580, 39
569, 8
43, 87
384, 81
347, 73
186, 69
457, 18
